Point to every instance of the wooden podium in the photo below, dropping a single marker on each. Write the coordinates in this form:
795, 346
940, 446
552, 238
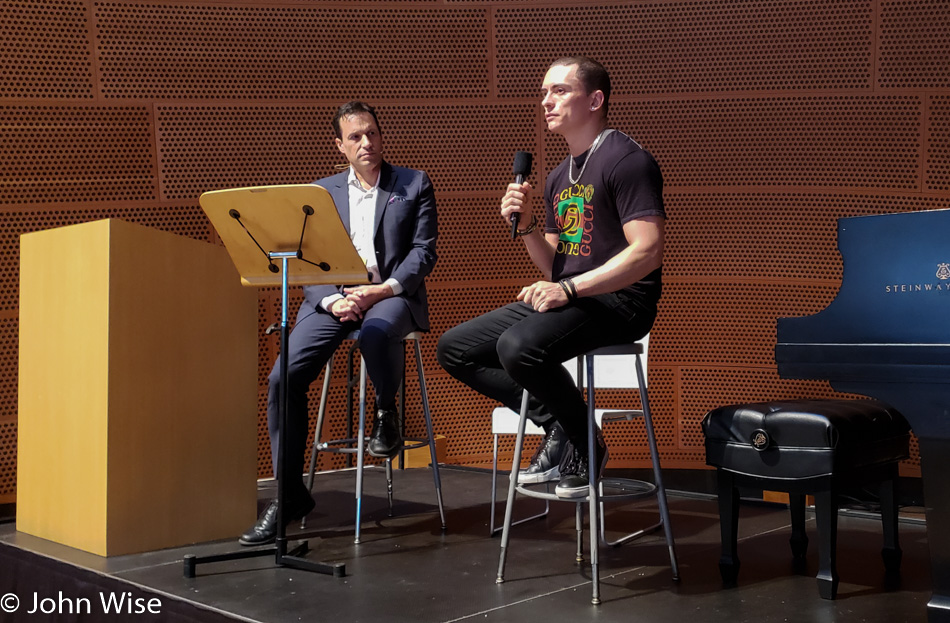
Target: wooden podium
137, 390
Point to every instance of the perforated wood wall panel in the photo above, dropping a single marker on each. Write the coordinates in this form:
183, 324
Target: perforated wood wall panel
938, 148
862, 141
9, 355
781, 236
211, 148
57, 154
770, 120
475, 145
914, 43
201, 51
44, 49
475, 245
677, 47
7, 459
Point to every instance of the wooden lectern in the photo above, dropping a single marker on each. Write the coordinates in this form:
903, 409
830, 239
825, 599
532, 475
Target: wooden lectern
137, 390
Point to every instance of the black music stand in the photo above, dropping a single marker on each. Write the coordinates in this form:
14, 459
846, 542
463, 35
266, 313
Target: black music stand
260, 225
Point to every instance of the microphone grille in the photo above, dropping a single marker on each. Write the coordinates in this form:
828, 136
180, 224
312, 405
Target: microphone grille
522, 165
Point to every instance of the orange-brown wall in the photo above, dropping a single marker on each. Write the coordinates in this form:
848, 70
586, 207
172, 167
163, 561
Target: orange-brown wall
769, 118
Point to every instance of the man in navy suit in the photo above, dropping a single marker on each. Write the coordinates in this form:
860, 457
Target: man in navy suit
390, 215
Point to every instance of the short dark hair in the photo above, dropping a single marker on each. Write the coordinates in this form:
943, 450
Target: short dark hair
355, 107
592, 75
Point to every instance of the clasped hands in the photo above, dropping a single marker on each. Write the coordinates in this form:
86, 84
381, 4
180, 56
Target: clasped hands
543, 295
357, 300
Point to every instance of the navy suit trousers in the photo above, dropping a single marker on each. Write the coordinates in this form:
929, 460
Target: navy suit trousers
313, 340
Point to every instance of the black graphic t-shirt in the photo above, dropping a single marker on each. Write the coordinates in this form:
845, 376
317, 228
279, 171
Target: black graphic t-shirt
622, 182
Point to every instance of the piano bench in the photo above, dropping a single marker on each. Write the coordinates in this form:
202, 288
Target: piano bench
819, 447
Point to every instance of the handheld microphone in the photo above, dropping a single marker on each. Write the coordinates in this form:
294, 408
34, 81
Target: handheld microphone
521, 169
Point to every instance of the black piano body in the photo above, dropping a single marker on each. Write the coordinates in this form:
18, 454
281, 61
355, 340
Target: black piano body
887, 335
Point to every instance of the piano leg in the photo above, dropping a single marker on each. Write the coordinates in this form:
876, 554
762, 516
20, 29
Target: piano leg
935, 471
826, 515
891, 552
728, 527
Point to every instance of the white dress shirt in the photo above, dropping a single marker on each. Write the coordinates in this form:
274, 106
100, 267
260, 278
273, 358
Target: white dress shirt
362, 216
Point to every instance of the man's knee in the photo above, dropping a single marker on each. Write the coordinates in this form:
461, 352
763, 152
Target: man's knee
299, 377
515, 353
447, 351
377, 342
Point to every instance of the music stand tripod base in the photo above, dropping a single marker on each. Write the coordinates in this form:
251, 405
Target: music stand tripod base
290, 559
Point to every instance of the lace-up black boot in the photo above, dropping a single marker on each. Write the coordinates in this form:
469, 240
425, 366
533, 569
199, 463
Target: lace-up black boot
545, 463
575, 481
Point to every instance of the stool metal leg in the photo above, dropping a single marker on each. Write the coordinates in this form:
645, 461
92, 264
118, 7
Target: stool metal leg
579, 527
360, 443
428, 417
655, 457
321, 412
512, 484
492, 528
592, 482
389, 483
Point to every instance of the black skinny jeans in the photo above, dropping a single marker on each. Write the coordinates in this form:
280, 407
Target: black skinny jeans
515, 347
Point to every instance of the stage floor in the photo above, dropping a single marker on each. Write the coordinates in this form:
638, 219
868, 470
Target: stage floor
407, 570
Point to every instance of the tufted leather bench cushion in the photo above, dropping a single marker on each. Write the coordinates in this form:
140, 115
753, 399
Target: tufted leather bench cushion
799, 439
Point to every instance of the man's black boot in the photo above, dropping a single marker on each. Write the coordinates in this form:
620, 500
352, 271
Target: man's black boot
575, 481
386, 439
544, 466
265, 530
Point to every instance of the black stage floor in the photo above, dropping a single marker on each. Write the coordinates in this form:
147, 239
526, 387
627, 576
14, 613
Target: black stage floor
407, 570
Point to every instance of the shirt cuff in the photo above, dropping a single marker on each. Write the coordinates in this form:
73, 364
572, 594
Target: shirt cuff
395, 285
326, 301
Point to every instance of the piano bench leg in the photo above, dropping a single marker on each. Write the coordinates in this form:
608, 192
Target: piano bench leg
826, 513
799, 540
728, 527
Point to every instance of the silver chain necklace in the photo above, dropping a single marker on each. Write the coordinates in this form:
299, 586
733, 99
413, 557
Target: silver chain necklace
590, 154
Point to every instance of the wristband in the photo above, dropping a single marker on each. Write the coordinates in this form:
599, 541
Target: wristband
567, 291
568, 286
530, 228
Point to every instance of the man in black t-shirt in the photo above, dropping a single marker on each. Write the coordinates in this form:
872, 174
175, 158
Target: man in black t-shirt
601, 255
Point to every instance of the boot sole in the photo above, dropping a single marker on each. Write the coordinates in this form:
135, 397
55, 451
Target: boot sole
540, 477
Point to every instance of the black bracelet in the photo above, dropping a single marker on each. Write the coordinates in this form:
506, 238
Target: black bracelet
570, 284
567, 291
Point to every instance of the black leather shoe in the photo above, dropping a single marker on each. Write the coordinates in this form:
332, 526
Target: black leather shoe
265, 530
386, 438
544, 466
575, 481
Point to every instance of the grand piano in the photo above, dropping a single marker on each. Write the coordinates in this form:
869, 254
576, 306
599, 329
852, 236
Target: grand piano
887, 335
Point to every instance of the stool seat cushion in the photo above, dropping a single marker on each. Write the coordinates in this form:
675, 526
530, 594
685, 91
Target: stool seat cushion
797, 439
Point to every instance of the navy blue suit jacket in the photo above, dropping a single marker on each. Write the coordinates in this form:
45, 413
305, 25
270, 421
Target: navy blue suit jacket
405, 232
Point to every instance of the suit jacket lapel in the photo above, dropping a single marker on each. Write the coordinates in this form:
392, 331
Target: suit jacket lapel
387, 180
341, 198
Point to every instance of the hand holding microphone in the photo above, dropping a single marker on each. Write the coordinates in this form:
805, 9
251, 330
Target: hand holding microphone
522, 169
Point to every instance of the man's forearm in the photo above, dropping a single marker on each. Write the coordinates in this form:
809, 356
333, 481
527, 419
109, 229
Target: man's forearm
541, 252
